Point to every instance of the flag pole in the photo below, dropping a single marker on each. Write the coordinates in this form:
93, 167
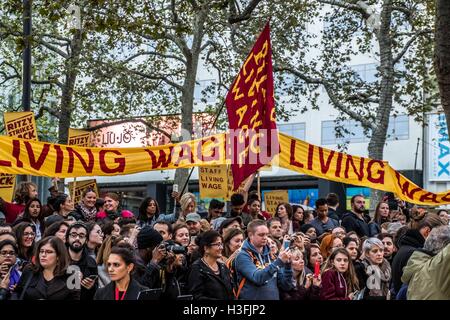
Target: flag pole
212, 126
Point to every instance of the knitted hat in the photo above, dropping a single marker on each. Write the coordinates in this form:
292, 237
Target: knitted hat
148, 238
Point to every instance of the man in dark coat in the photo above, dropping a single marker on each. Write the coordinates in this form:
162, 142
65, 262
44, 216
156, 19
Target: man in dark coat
76, 239
355, 220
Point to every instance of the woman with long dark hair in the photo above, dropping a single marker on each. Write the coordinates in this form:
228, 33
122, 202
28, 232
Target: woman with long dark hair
48, 278
120, 266
148, 212
339, 280
381, 216
33, 214
284, 211
297, 217
25, 235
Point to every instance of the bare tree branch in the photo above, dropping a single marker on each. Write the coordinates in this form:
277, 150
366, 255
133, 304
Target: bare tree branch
52, 111
50, 81
330, 91
10, 77
55, 37
166, 56
408, 44
53, 48
155, 77
365, 98
346, 5
246, 13
134, 120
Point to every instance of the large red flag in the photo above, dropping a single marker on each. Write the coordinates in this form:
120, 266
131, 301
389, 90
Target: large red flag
251, 112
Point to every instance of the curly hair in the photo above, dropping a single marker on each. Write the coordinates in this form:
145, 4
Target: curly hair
22, 193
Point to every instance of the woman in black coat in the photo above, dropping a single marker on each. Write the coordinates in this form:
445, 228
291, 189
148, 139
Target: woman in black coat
122, 286
47, 279
210, 279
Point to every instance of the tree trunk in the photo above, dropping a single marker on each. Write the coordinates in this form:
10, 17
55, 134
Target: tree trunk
71, 67
187, 97
378, 138
442, 54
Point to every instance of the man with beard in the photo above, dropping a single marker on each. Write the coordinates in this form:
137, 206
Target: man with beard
322, 222
76, 239
354, 220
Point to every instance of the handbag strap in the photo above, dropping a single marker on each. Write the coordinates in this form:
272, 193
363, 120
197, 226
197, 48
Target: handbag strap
26, 286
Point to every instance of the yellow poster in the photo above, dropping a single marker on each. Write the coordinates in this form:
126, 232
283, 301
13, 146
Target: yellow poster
81, 186
212, 181
20, 125
7, 185
243, 188
273, 198
79, 137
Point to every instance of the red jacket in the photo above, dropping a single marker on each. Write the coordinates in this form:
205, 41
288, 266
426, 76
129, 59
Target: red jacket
334, 286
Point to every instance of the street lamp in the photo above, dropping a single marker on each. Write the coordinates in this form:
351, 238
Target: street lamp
26, 58
373, 21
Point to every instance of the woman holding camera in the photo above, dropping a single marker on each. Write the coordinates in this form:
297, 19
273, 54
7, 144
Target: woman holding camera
210, 279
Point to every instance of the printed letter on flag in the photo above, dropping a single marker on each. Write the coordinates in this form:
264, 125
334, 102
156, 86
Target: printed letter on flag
251, 112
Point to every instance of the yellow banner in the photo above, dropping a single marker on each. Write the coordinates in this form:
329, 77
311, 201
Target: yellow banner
80, 186
79, 137
273, 198
7, 185
316, 161
19, 156
213, 182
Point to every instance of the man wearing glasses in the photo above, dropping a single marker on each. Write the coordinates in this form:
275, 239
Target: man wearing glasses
76, 239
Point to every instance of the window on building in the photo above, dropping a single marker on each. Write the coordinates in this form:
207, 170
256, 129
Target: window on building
367, 72
296, 130
398, 128
352, 132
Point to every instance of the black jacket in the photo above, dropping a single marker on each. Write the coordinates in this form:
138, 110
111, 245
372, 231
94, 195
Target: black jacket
352, 223
108, 292
39, 289
333, 214
408, 243
88, 267
203, 284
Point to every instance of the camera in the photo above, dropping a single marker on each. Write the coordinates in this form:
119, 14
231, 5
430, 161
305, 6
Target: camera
172, 247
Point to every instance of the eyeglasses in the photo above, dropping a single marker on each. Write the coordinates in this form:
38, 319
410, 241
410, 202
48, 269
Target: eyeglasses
7, 253
218, 244
46, 252
29, 234
75, 235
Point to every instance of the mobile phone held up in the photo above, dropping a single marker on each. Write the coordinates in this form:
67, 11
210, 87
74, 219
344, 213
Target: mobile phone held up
286, 244
93, 277
316, 269
175, 188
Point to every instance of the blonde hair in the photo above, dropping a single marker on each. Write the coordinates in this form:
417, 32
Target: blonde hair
186, 199
300, 278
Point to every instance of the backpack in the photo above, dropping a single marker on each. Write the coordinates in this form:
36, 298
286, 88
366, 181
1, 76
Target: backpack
231, 265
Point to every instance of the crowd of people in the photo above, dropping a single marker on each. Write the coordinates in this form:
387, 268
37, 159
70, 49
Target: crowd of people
94, 250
